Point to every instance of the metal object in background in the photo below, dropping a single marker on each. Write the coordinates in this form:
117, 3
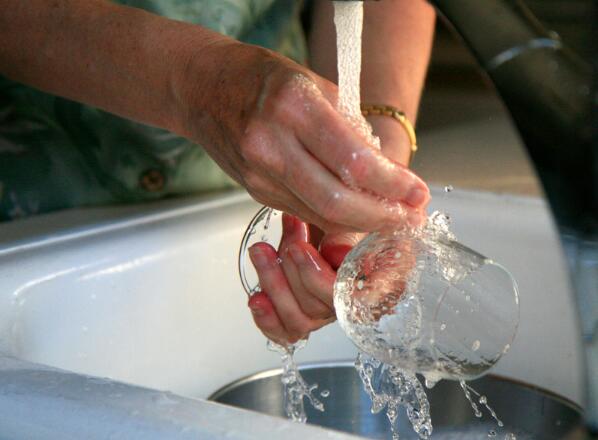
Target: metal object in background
548, 91
528, 412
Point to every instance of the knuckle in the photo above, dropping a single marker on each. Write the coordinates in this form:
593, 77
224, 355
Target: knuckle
355, 170
299, 329
259, 150
254, 144
291, 93
322, 313
268, 327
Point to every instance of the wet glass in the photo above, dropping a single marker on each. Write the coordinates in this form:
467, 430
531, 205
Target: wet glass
423, 302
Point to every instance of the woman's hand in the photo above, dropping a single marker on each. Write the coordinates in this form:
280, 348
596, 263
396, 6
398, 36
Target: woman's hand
297, 281
273, 126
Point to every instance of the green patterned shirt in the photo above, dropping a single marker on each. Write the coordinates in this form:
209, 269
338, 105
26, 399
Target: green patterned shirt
57, 154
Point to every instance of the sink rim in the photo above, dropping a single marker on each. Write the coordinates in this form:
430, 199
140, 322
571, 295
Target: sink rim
271, 372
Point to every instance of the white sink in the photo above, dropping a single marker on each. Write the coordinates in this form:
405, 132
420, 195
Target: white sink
151, 296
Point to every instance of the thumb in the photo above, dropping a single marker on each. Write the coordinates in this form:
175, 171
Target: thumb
334, 247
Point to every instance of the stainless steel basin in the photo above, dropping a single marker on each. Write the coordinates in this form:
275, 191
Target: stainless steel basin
528, 412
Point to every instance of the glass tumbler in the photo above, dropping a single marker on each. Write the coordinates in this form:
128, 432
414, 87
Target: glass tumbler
423, 302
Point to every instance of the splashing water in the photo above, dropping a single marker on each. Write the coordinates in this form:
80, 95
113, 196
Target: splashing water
474, 406
391, 388
296, 389
483, 400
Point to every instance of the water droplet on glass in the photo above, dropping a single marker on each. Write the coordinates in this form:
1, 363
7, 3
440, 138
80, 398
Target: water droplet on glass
476, 345
325, 393
492, 433
448, 188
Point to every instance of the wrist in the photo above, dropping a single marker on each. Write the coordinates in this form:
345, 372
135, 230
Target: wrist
394, 140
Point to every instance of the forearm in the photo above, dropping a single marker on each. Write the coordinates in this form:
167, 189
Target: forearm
120, 59
397, 40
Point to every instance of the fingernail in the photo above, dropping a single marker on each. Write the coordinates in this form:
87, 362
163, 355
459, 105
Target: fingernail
258, 258
257, 311
416, 197
297, 254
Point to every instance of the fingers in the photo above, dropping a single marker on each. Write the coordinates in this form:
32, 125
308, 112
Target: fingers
266, 319
295, 324
314, 274
338, 204
334, 247
275, 194
331, 139
295, 231
309, 275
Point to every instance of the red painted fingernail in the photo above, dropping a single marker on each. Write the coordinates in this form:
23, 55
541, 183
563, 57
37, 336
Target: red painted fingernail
258, 304
259, 299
